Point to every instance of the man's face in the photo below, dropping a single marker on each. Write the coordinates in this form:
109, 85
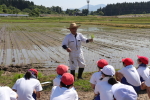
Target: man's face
73, 31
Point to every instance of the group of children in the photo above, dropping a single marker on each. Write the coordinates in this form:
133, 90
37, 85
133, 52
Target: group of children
124, 84
107, 83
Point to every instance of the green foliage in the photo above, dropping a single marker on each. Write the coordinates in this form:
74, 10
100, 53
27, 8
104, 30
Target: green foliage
34, 13
126, 8
83, 85
85, 12
40, 75
27, 10
17, 76
101, 13
1, 72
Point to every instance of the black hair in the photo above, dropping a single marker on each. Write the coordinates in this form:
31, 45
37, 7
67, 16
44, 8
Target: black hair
111, 80
99, 67
139, 60
28, 75
66, 86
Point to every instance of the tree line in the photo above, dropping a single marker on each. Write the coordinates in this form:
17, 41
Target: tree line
126, 8
24, 6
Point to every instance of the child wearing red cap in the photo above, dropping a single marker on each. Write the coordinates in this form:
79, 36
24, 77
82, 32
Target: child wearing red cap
66, 90
61, 69
97, 75
142, 69
129, 75
28, 85
103, 87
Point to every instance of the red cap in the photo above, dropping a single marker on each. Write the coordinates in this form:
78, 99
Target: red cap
128, 61
101, 63
67, 79
143, 59
34, 71
61, 69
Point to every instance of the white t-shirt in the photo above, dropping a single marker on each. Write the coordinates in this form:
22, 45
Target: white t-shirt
143, 72
104, 88
131, 75
6, 93
25, 88
95, 77
147, 82
56, 81
62, 93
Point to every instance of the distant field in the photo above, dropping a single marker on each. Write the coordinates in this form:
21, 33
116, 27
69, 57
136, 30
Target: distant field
130, 21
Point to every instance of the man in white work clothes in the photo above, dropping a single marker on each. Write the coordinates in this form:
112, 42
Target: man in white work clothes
72, 44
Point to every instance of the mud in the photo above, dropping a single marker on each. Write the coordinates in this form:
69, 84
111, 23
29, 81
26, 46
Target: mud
39, 45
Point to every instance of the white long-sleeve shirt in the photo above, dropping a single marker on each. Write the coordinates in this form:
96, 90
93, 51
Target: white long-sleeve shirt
72, 42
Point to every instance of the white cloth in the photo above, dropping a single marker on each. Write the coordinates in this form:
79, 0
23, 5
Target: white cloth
95, 78
61, 93
56, 81
76, 57
131, 75
144, 72
147, 82
25, 88
6, 93
104, 88
124, 92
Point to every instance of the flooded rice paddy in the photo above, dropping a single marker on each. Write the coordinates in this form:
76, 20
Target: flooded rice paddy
39, 44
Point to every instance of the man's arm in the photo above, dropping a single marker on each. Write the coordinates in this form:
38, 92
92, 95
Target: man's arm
65, 44
38, 94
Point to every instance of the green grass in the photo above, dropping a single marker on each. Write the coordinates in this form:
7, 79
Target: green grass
133, 22
10, 79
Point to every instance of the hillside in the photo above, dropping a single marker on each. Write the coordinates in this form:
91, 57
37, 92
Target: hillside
93, 7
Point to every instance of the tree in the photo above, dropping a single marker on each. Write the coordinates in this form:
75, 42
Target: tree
27, 10
34, 13
85, 12
4, 8
101, 13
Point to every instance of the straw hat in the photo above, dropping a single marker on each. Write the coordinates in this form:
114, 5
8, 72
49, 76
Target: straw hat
73, 25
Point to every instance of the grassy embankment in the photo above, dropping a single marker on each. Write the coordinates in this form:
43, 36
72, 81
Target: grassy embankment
8, 79
133, 22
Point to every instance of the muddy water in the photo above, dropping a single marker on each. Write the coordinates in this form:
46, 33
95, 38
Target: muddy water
40, 45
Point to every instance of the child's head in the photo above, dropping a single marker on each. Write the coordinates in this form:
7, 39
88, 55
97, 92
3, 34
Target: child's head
61, 69
127, 61
123, 92
108, 71
67, 80
142, 60
30, 73
101, 63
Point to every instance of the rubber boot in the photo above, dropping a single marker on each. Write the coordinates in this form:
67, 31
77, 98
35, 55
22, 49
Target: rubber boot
73, 73
80, 71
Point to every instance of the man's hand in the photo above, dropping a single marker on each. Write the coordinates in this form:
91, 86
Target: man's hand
90, 40
68, 50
